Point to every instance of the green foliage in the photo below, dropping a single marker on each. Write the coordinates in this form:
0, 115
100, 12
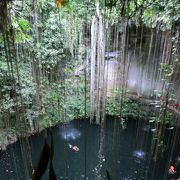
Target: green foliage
22, 28
128, 108
152, 13
158, 93
167, 69
162, 13
168, 118
113, 107
23, 88
65, 102
52, 47
54, 37
16, 96
76, 108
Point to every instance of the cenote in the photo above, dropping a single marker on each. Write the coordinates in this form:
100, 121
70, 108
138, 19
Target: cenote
126, 153
90, 89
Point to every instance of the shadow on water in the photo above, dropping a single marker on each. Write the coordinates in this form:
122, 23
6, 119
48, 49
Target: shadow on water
126, 152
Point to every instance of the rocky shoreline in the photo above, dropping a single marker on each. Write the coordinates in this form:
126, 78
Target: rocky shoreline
8, 141
13, 139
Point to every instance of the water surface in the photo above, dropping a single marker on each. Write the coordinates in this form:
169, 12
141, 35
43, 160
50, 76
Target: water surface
126, 153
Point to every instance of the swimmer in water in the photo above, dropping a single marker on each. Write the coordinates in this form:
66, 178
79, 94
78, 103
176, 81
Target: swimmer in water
75, 148
172, 170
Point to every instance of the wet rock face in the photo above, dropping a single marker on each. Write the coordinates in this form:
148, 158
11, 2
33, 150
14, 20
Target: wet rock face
2, 147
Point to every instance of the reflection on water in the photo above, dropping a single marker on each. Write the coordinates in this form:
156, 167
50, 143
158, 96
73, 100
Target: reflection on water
178, 160
70, 134
139, 154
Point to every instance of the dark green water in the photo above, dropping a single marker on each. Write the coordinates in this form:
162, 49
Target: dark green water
126, 153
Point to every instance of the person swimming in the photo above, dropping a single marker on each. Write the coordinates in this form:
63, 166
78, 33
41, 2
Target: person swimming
172, 170
75, 148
